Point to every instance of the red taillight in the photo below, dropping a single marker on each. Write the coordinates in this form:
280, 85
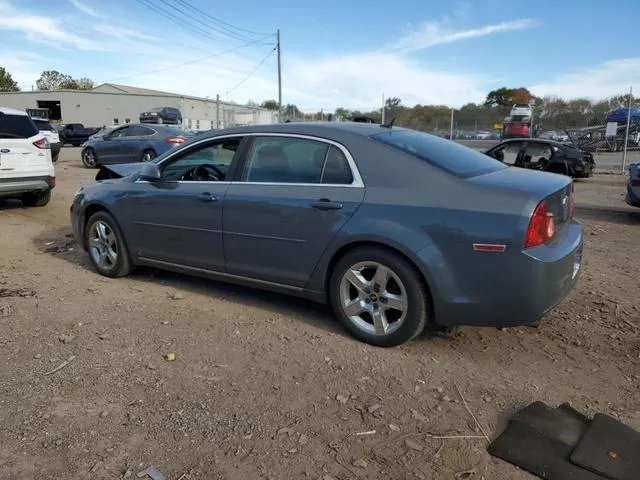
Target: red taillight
542, 227
175, 140
42, 143
51, 181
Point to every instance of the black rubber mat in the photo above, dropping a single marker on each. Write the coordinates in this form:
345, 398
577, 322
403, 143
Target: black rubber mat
540, 439
609, 448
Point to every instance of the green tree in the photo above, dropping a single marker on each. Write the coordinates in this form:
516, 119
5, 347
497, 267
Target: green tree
52, 80
7, 83
85, 83
393, 102
270, 105
500, 97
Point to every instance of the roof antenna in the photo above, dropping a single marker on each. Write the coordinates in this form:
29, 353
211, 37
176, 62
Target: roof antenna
388, 125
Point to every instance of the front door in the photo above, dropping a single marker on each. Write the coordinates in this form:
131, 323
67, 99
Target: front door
295, 194
178, 219
111, 148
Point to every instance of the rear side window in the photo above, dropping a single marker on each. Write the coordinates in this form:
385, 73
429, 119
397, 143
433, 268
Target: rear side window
17, 126
451, 156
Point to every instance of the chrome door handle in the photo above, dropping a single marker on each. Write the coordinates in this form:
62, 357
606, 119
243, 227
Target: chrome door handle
207, 197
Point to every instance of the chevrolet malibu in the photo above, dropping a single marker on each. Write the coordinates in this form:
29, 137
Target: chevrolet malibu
396, 229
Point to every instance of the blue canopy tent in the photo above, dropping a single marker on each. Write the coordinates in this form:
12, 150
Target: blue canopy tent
620, 115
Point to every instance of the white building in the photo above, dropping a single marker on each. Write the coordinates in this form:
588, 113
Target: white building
111, 104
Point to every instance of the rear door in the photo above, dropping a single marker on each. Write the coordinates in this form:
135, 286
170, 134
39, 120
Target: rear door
19, 156
295, 193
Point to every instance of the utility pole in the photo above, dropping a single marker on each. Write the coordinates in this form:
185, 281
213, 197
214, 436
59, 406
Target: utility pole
279, 78
217, 111
382, 110
626, 134
451, 125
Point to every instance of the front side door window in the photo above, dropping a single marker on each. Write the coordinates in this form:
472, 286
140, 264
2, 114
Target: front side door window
210, 163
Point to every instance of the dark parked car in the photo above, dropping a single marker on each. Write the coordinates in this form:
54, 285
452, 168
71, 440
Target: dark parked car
168, 115
633, 186
75, 134
397, 229
132, 143
545, 155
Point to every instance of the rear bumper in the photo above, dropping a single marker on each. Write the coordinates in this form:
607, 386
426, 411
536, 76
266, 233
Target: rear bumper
55, 149
16, 186
522, 292
633, 196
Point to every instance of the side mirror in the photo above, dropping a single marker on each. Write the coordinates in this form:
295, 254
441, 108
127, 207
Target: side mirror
150, 173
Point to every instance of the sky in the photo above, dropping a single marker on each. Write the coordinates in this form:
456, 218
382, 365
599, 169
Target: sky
334, 53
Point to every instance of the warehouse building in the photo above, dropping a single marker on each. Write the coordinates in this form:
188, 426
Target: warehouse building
112, 104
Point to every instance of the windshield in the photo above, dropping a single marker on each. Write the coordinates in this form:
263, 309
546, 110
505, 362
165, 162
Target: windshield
450, 156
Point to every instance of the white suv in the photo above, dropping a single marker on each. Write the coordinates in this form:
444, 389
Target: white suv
26, 169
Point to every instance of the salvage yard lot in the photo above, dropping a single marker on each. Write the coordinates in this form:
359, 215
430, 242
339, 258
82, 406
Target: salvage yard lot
267, 386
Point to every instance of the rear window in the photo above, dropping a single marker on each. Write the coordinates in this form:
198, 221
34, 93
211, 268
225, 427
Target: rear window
16, 126
43, 125
450, 156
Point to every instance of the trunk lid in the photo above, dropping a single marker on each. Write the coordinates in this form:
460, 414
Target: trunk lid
554, 189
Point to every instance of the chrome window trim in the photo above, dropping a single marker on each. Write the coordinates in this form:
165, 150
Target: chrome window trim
357, 178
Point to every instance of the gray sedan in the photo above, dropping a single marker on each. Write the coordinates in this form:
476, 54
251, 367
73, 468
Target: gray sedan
131, 143
396, 229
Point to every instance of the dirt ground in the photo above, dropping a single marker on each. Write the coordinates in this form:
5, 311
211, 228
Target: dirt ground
266, 386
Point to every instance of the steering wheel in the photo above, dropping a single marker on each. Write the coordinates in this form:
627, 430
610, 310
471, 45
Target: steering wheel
203, 173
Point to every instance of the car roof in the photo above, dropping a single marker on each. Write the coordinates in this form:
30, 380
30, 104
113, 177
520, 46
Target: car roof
320, 129
13, 111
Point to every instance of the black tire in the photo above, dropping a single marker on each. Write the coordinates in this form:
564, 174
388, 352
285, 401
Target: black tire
148, 155
36, 199
122, 265
417, 296
85, 160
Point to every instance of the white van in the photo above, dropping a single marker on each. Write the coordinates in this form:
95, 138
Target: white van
26, 169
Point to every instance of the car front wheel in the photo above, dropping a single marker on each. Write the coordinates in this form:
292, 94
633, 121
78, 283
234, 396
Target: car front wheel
106, 245
89, 158
379, 297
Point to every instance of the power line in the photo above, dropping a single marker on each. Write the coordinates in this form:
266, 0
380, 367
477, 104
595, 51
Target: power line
178, 21
223, 31
189, 62
217, 20
251, 73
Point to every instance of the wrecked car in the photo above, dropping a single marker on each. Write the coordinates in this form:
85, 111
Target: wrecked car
633, 185
544, 155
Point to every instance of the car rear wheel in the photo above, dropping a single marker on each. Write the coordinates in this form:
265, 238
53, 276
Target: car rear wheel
379, 297
89, 158
106, 245
36, 199
148, 155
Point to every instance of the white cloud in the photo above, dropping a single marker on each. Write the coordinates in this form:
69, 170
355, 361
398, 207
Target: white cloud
121, 32
597, 82
437, 33
84, 8
42, 29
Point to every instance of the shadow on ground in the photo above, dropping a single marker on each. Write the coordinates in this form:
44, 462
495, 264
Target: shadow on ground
60, 243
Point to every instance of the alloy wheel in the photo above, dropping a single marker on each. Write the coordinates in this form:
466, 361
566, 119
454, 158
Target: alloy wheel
373, 298
103, 245
89, 158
